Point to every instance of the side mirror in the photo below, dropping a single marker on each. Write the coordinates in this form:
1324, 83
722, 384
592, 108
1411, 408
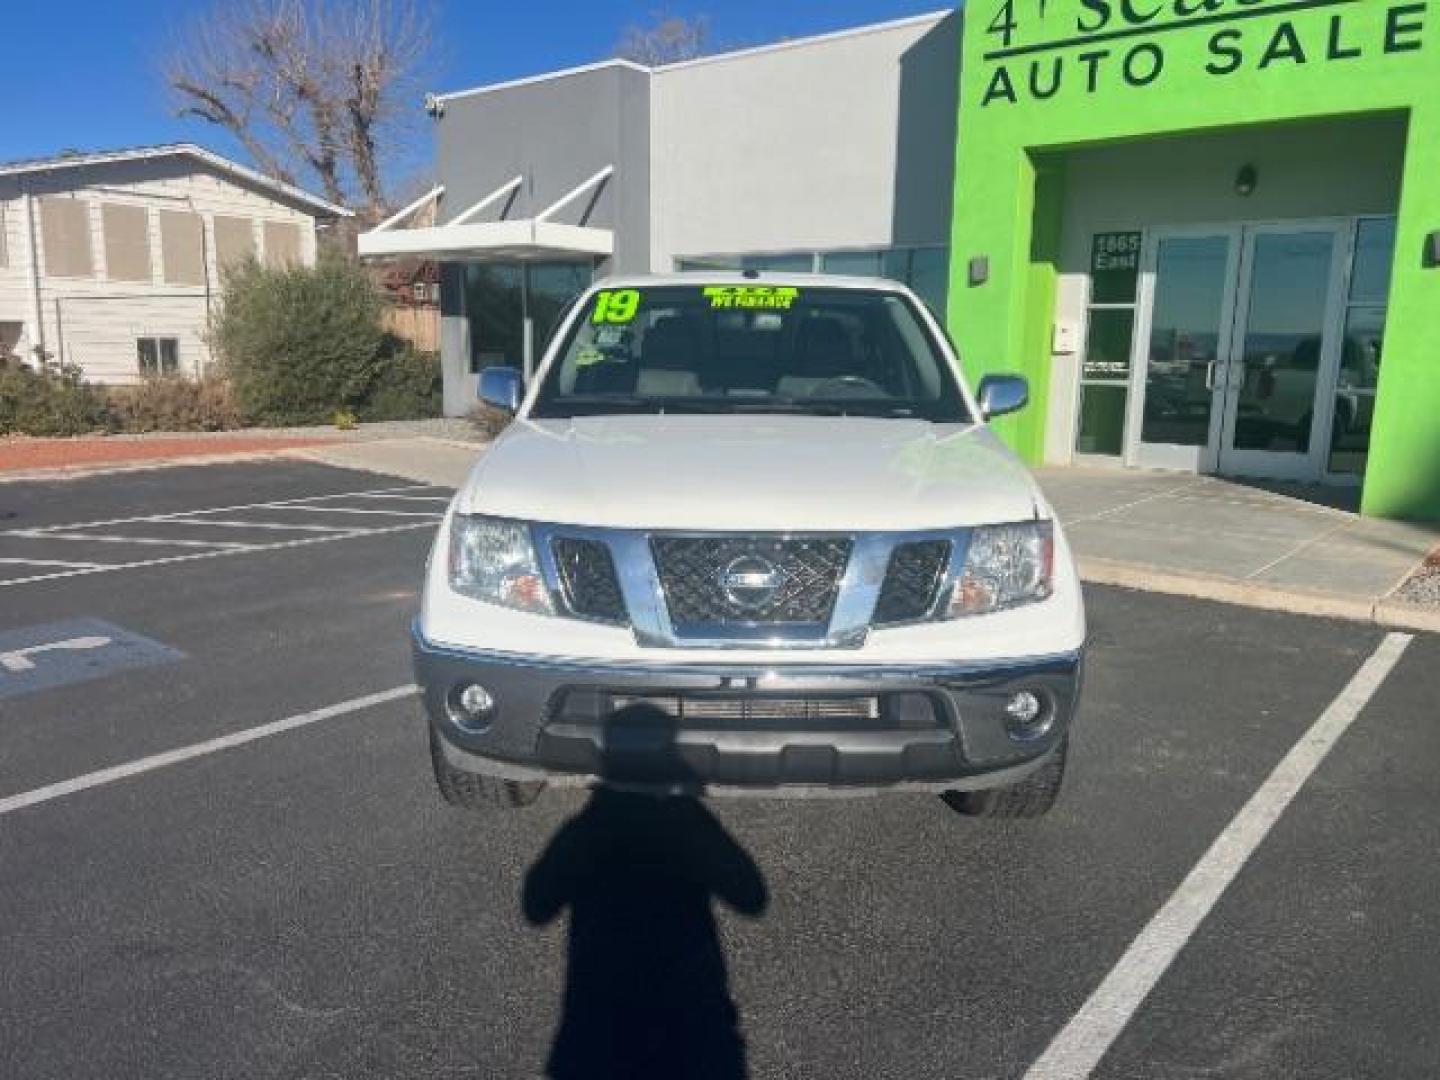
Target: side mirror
502, 388
1003, 394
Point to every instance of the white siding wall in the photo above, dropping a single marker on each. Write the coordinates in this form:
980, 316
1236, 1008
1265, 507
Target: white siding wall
94, 322
787, 149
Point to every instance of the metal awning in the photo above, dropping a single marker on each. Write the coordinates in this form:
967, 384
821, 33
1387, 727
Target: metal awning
520, 240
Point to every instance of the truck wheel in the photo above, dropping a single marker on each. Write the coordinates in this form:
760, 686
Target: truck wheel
471, 791
1032, 797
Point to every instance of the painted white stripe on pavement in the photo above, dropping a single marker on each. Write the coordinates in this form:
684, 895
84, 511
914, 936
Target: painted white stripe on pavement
51, 562
143, 541
409, 498
1077, 1050
215, 553
225, 509
277, 526
433, 515
117, 773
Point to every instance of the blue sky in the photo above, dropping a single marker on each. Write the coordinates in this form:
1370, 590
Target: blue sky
98, 87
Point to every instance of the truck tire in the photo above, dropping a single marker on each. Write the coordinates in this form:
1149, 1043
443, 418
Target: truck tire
1032, 797
472, 791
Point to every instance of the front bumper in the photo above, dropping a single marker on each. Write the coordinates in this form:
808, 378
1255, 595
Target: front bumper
779, 727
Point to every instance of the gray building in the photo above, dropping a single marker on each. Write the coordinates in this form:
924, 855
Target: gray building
832, 153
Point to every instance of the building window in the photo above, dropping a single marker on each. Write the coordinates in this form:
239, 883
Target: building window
234, 241
65, 232
282, 244
127, 242
501, 298
1105, 366
1366, 306
926, 270
158, 356
182, 247
4, 240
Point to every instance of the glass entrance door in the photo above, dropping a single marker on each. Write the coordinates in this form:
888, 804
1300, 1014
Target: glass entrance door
1187, 301
1237, 349
1282, 359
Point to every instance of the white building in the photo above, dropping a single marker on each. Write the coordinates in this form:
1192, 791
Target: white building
112, 261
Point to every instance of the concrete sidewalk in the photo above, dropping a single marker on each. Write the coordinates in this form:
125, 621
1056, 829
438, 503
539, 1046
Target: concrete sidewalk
1298, 550
423, 459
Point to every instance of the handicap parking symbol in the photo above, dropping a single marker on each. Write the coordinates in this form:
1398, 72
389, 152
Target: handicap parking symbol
36, 658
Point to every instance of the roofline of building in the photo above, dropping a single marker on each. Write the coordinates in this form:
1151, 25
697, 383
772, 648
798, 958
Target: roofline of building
932, 18
192, 150
832, 36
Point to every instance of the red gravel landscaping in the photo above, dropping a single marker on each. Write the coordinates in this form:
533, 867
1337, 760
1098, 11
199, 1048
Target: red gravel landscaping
23, 453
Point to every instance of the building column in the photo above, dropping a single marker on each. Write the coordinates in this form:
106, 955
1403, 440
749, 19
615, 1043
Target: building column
1403, 476
35, 325
1003, 324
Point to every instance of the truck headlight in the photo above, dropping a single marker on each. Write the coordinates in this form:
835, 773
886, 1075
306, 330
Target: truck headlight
1005, 566
494, 561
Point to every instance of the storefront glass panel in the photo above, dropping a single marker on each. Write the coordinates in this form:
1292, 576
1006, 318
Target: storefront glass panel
1279, 365
1185, 334
1104, 390
495, 307
549, 291
1355, 393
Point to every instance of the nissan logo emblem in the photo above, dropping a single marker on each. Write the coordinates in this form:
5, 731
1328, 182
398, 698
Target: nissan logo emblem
750, 582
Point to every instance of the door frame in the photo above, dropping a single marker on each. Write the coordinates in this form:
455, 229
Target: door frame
1208, 459
1198, 459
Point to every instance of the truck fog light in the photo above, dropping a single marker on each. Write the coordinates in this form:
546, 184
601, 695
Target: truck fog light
1026, 716
471, 706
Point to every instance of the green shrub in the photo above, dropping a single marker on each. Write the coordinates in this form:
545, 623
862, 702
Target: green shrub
299, 343
409, 386
175, 403
50, 403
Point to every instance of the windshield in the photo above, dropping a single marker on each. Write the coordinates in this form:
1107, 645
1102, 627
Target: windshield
751, 349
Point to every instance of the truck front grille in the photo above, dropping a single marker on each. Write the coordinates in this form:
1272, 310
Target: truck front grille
685, 707
750, 580
912, 581
588, 579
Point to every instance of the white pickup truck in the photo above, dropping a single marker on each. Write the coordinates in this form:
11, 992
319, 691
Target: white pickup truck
751, 534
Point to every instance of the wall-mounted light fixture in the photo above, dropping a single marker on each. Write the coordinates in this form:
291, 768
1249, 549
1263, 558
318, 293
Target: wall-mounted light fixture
1432, 251
979, 270
1247, 180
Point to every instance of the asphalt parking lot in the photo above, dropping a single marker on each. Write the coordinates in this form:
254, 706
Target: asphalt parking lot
221, 853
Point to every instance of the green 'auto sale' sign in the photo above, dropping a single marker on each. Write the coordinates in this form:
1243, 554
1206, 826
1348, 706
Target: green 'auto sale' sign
1037, 50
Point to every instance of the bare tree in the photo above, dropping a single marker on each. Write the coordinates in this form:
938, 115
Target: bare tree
313, 88
667, 39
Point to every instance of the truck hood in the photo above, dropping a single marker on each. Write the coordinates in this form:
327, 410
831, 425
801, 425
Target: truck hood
760, 473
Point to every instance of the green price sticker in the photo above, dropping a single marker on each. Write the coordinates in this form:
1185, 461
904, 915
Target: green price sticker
617, 306
761, 297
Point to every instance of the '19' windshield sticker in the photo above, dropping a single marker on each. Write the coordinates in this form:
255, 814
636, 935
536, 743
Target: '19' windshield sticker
617, 306
752, 296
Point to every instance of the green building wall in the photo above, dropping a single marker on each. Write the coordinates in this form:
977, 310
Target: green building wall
1040, 77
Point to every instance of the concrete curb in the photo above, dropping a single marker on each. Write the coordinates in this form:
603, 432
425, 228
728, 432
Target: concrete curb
1391, 614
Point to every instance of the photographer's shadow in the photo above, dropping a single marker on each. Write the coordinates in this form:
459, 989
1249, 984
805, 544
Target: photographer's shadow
646, 993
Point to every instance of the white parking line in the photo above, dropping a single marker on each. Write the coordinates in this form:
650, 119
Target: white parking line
211, 523
213, 553
117, 773
51, 562
412, 498
297, 508
1078, 1049
103, 538
226, 509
